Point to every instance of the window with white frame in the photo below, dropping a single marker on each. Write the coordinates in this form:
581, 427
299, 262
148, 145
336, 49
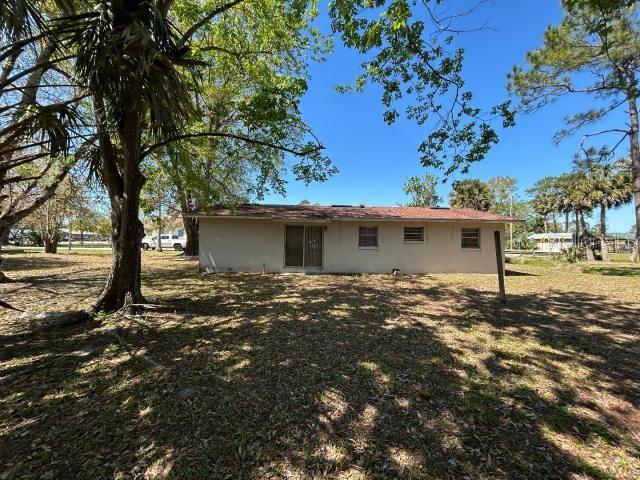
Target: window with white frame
470, 238
368, 237
414, 234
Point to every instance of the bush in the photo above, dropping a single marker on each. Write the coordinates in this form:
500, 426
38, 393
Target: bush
575, 253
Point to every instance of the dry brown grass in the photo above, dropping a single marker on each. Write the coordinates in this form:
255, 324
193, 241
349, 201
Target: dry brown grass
361, 377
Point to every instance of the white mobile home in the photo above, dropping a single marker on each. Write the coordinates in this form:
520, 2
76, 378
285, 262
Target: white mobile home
348, 239
552, 242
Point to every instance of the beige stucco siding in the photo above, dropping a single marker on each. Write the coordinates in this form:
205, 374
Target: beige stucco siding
240, 245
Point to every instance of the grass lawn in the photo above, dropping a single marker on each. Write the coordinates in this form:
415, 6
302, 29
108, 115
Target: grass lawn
349, 377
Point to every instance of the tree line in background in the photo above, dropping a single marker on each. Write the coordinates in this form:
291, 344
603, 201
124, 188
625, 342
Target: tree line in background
594, 53
552, 205
75, 209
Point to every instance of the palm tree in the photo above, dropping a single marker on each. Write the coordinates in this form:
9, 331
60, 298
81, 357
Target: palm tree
609, 186
545, 199
131, 59
472, 193
576, 198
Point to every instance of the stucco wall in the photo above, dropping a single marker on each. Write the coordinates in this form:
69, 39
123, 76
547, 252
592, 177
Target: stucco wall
234, 245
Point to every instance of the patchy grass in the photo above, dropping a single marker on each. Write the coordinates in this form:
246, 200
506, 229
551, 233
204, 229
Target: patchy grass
537, 260
288, 376
619, 257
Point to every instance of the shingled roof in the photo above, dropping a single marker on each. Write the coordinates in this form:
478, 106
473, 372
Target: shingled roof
349, 212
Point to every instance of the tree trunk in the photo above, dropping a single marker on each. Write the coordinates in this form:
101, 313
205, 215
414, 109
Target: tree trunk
3, 277
635, 171
192, 230
159, 237
555, 223
123, 286
566, 222
604, 249
586, 243
50, 242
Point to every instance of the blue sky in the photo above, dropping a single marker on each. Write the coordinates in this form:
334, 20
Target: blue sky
374, 159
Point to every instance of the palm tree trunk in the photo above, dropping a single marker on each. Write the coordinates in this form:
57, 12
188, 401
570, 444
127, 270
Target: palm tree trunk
635, 171
586, 243
604, 249
566, 222
555, 223
123, 286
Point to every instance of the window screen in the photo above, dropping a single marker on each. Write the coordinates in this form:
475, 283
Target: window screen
368, 237
414, 234
470, 238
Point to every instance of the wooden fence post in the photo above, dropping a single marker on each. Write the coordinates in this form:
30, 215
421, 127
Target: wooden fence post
499, 260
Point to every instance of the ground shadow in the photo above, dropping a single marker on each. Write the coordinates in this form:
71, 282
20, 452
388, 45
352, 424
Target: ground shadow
268, 376
615, 271
517, 273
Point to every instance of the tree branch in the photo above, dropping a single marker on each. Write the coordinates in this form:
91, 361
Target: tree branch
297, 153
49, 190
196, 26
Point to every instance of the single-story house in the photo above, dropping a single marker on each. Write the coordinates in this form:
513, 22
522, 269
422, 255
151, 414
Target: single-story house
551, 242
348, 239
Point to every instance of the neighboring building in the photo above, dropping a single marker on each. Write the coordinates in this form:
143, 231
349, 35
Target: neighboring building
173, 227
620, 242
348, 239
82, 236
552, 242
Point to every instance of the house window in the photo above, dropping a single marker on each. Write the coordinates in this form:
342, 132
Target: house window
470, 238
414, 234
368, 237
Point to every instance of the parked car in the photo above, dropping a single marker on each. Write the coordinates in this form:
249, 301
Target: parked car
171, 241
148, 242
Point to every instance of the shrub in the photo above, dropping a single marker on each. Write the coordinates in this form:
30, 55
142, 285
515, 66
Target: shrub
575, 253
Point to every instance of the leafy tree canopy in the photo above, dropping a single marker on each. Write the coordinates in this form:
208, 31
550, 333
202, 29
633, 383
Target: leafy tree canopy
412, 54
422, 191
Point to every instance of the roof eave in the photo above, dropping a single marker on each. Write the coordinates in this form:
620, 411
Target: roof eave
354, 219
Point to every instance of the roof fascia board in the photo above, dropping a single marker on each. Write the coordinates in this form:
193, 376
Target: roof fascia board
362, 219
